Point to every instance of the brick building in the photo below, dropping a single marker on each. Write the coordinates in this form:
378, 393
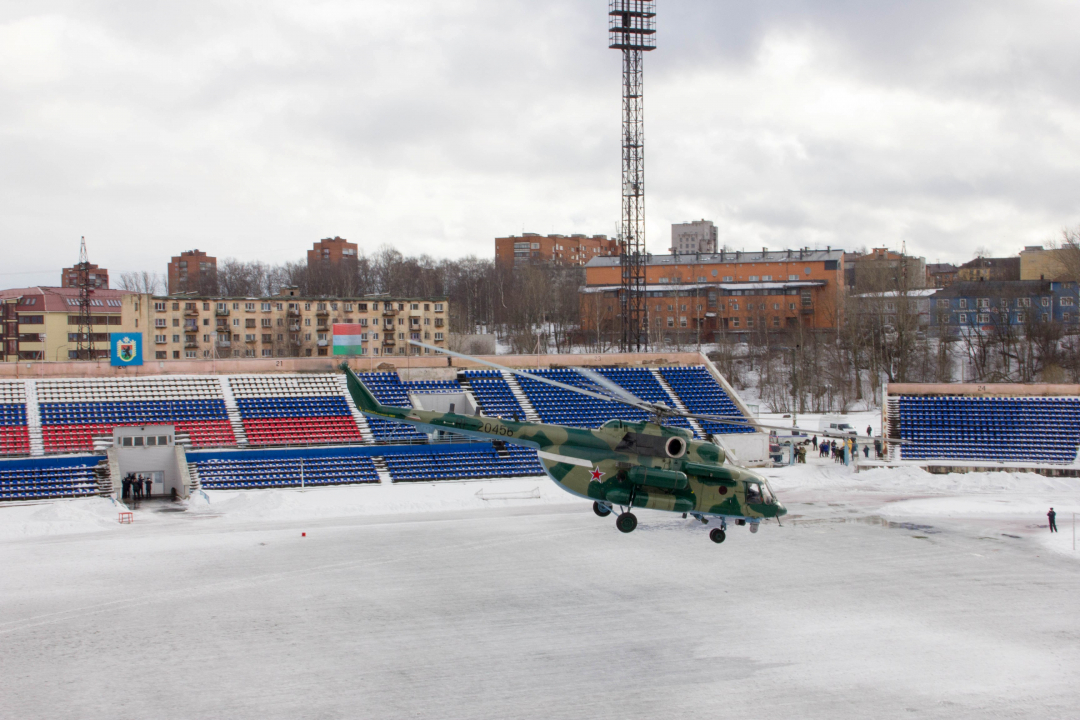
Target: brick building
940, 275
193, 272
736, 292
332, 251
562, 249
99, 277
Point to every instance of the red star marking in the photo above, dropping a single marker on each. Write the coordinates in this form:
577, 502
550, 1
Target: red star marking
596, 474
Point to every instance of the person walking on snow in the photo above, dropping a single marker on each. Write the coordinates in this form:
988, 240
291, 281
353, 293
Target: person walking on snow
1053, 516
869, 431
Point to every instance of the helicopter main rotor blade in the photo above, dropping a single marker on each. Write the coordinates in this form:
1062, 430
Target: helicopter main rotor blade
625, 397
522, 373
616, 390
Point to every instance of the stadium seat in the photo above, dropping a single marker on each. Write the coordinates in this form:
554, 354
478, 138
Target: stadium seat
1007, 429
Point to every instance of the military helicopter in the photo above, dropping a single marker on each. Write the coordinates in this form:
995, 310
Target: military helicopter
624, 464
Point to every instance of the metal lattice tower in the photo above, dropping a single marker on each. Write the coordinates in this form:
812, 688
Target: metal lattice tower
632, 29
84, 338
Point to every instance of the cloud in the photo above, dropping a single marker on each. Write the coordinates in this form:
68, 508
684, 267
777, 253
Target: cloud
252, 129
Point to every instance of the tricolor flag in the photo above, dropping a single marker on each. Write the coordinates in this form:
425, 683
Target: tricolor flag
347, 339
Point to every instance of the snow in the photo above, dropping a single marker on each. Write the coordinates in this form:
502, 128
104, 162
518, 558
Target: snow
887, 593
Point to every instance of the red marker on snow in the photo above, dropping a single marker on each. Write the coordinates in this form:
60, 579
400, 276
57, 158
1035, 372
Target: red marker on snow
303, 534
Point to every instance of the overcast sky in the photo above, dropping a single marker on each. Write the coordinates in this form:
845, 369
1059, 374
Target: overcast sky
252, 129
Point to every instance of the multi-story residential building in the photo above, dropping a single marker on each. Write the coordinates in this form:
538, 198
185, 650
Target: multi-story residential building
193, 272
699, 236
989, 305
99, 277
561, 249
332, 251
42, 323
996, 269
724, 292
286, 325
1039, 263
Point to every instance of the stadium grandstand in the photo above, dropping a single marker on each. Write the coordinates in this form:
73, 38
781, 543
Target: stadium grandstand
967, 427
76, 436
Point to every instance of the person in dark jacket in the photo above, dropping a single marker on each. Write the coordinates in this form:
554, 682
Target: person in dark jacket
869, 431
877, 448
138, 487
126, 485
1053, 520
147, 483
866, 451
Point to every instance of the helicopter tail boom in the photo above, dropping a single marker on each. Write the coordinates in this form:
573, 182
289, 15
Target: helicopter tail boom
365, 401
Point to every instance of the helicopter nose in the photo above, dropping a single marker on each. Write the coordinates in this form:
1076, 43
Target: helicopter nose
780, 509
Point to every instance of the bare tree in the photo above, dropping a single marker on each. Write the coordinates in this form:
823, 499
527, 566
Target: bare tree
142, 282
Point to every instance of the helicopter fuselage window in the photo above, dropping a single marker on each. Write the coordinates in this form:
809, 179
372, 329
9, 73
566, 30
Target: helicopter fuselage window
753, 493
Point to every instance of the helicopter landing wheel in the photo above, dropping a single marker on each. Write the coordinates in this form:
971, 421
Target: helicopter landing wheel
626, 522
601, 510
717, 535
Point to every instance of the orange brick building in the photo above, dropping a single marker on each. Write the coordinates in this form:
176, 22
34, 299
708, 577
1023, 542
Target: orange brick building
99, 277
738, 292
331, 251
562, 249
193, 271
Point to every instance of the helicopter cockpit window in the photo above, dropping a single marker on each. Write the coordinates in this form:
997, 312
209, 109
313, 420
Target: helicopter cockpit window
753, 493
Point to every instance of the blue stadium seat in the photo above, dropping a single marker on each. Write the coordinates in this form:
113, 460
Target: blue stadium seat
1008, 429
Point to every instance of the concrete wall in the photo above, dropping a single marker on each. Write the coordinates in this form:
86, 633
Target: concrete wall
983, 389
30, 370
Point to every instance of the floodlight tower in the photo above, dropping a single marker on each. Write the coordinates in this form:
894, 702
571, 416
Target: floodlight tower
632, 29
84, 338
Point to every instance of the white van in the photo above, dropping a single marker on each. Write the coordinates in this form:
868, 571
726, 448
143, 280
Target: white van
836, 425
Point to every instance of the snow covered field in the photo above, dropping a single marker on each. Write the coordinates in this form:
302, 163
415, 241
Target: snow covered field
889, 593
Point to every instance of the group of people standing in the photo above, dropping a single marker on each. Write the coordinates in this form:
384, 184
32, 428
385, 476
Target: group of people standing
137, 486
842, 451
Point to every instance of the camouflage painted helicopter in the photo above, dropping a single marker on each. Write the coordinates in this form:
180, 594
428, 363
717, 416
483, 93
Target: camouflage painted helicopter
625, 464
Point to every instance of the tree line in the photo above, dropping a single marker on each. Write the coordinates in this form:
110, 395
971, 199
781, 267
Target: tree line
518, 304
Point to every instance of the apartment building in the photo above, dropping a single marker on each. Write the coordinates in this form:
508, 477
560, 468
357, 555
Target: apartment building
699, 236
331, 251
561, 249
98, 276
192, 271
42, 323
290, 326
